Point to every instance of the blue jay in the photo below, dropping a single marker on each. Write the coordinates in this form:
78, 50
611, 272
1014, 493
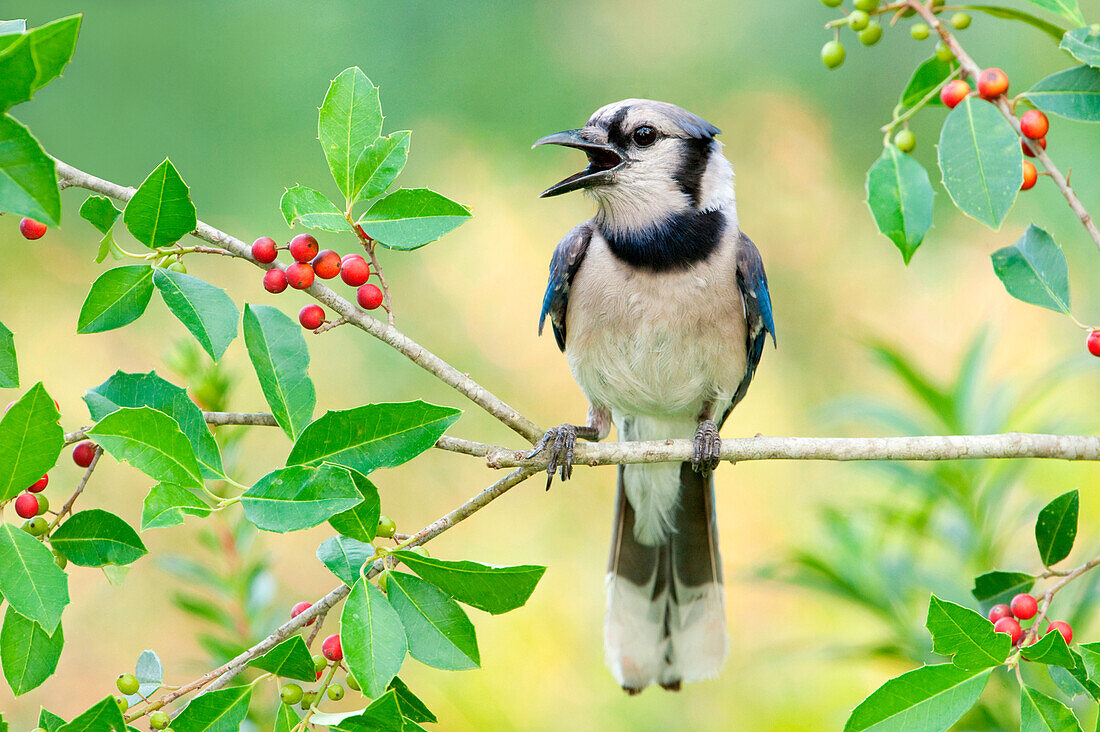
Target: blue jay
661, 306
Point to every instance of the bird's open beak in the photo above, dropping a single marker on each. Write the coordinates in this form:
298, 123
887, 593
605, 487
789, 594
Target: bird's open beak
602, 160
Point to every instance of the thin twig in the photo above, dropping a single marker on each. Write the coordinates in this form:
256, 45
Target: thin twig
1044, 605
244, 418
79, 489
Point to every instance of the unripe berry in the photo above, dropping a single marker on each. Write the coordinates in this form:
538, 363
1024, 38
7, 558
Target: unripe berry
866, 5
300, 608
422, 551
319, 663
831, 3
311, 317
84, 453
1011, 627
264, 250
299, 275
39, 485
872, 34
387, 527
335, 692
369, 296
1063, 628
354, 270
1092, 342
384, 580
327, 264
832, 54
905, 140
303, 248
43, 504
1031, 175
1041, 143
127, 684
159, 720
943, 53
1024, 606
26, 505
992, 83
58, 558
920, 31
290, 694
123, 705
999, 611
353, 682
858, 20
960, 21
177, 266
36, 526
31, 229
954, 92
275, 281
308, 698
1034, 124
331, 648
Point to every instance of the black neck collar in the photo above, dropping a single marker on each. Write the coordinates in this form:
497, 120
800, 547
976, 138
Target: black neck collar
676, 242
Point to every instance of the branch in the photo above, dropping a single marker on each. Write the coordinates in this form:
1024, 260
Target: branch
1044, 606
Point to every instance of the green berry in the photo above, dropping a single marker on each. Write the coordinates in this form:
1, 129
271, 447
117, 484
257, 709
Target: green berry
858, 20
308, 698
832, 54
905, 140
866, 5
335, 692
943, 53
123, 705
960, 21
290, 694
159, 720
177, 266
320, 663
872, 34
127, 684
36, 526
43, 504
383, 580
352, 682
59, 559
387, 527
421, 551
831, 3
920, 31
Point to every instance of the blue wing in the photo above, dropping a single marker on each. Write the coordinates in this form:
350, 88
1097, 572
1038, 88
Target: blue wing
563, 267
758, 310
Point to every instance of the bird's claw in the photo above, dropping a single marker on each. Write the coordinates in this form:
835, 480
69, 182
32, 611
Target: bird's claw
708, 447
559, 443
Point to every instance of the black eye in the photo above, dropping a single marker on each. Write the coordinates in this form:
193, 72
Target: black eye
645, 136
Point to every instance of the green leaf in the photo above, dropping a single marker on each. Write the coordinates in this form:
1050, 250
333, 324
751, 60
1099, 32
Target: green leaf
997, 11
118, 297
411, 706
927, 699
17, 73
161, 212
1056, 528
107, 246
95, 538
215, 711
9, 366
52, 46
350, 119
280, 357
372, 436
151, 441
409, 218
28, 182
310, 208
439, 633
29, 654
49, 721
344, 557
493, 589
100, 212
167, 503
1034, 270
1074, 681
383, 715
290, 659
205, 310
1040, 713
286, 719
380, 164
1090, 655
298, 497
30, 441
103, 717
373, 638
150, 674
981, 161
927, 77
361, 521
1073, 94
1050, 650
960, 632
1083, 44
1068, 9
997, 587
150, 390
30, 580
900, 197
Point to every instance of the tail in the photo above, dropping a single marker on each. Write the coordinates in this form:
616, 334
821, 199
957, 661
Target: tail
666, 619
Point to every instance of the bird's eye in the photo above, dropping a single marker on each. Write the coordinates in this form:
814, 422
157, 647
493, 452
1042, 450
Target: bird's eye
645, 136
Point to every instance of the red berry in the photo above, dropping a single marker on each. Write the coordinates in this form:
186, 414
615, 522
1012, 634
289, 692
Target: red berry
264, 250
1063, 628
999, 611
303, 248
1024, 606
1041, 142
275, 281
354, 270
327, 264
954, 92
300, 608
992, 83
369, 296
1031, 175
83, 454
40, 484
31, 229
311, 317
331, 648
26, 505
299, 275
1034, 124
1011, 627
1092, 342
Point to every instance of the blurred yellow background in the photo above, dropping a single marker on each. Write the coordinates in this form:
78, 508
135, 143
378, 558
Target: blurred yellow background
229, 91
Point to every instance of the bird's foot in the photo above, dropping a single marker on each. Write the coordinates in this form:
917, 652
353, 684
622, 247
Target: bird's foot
559, 443
708, 447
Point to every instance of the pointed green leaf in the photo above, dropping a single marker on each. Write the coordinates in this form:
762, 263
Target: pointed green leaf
9, 366
150, 674
372, 436
286, 719
1056, 528
996, 587
412, 707
1052, 650
17, 72
383, 715
493, 589
151, 441
900, 197
299, 497
30, 441
95, 538
1068, 9
960, 632
167, 503
409, 218
28, 182
1090, 655
981, 161
361, 521
49, 721
100, 212
380, 164
290, 659
927, 699
280, 357
439, 633
205, 310
927, 77
310, 208
161, 212
997, 11
118, 297
1074, 681
373, 638
1040, 713
52, 46
1083, 44
104, 716
344, 557
350, 119
29, 654
1034, 270
30, 580
1073, 94
215, 711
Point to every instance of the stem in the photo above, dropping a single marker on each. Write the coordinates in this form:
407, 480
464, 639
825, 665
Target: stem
1044, 605
376, 266
79, 489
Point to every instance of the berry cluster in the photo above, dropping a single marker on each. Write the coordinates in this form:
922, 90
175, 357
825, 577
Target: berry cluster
869, 31
310, 263
1006, 619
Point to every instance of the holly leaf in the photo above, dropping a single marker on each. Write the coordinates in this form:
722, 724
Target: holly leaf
1056, 528
215, 711
104, 716
964, 634
28, 181
379, 164
203, 309
997, 587
930, 74
1083, 44
150, 674
100, 213
1040, 713
981, 161
409, 218
930, 698
167, 503
95, 538
1073, 94
1050, 650
310, 208
28, 653
286, 719
490, 588
383, 715
997, 11
439, 633
49, 721
151, 441
9, 366
160, 212
280, 357
30, 580
118, 297
373, 638
30, 441
344, 557
1034, 270
900, 197
361, 521
299, 497
290, 659
411, 707
1074, 681
350, 119
1068, 9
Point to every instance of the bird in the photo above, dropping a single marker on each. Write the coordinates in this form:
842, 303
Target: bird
661, 306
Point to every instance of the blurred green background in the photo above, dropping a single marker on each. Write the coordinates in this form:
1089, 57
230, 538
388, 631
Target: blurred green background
229, 91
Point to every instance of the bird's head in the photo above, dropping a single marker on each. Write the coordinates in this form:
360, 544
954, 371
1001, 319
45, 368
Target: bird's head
646, 160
